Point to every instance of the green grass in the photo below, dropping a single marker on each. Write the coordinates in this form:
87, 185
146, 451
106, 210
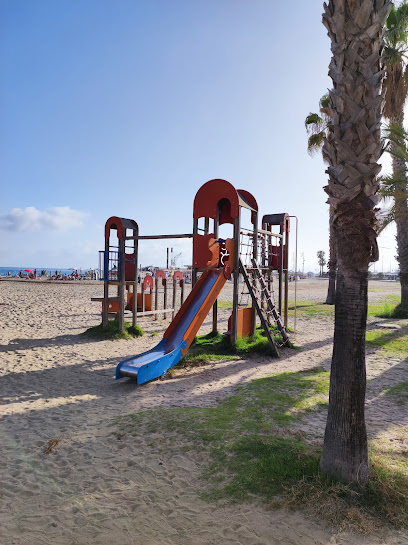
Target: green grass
399, 393
112, 331
310, 309
256, 407
389, 308
224, 304
394, 342
255, 456
217, 347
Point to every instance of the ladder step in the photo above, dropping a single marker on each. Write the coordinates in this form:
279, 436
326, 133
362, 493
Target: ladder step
271, 310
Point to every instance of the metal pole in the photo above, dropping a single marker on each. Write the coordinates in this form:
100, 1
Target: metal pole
122, 284
162, 237
193, 268
216, 235
286, 265
255, 256
165, 298
282, 258
296, 252
156, 297
174, 298
234, 325
135, 273
182, 292
105, 285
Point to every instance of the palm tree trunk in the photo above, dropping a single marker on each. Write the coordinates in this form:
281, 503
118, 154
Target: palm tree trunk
355, 28
332, 264
401, 220
345, 454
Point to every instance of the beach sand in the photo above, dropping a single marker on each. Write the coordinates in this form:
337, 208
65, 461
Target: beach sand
58, 394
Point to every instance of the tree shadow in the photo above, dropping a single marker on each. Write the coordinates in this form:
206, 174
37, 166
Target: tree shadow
90, 385
63, 340
384, 411
316, 344
95, 379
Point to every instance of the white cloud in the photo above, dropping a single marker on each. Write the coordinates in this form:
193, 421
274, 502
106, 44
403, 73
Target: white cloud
57, 218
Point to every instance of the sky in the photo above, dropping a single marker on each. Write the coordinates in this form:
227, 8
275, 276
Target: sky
126, 108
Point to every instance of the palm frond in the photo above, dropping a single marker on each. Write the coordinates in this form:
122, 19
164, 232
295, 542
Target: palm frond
397, 138
313, 122
325, 101
385, 217
397, 26
391, 185
315, 142
393, 55
396, 133
398, 152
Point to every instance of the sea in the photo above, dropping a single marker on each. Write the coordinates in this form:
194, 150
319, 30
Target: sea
15, 271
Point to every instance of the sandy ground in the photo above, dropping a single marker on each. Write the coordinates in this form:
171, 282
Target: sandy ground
93, 489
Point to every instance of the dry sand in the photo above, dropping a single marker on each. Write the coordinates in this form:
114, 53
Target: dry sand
93, 489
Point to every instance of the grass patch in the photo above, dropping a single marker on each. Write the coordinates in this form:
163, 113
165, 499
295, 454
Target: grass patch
384, 501
310, 309
399, 393
257, 407
389, 308
224, 304
254, 456
217, 347
112, 331
393, 342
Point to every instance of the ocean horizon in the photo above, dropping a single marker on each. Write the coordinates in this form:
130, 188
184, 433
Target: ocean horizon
15, 271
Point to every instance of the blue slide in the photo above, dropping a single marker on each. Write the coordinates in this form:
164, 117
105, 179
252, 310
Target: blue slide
180, 333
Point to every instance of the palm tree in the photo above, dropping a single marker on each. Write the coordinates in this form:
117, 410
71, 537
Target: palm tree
395, 187
322, 260
355, 28
396, 85
318, 126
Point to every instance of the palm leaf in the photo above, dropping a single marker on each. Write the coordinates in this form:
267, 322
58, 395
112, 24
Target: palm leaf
313, 121
385, 218
397, 26
397, 138
325, 101
315, 142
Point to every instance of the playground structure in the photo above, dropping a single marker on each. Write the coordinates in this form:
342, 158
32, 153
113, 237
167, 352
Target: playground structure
119, 269
252, 253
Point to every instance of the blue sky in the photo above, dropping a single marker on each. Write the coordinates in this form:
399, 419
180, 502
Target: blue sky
127, 107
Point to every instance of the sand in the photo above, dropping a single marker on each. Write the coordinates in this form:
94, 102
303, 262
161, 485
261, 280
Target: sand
58, 393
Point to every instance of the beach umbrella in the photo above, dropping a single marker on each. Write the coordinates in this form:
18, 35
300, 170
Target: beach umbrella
29, 271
